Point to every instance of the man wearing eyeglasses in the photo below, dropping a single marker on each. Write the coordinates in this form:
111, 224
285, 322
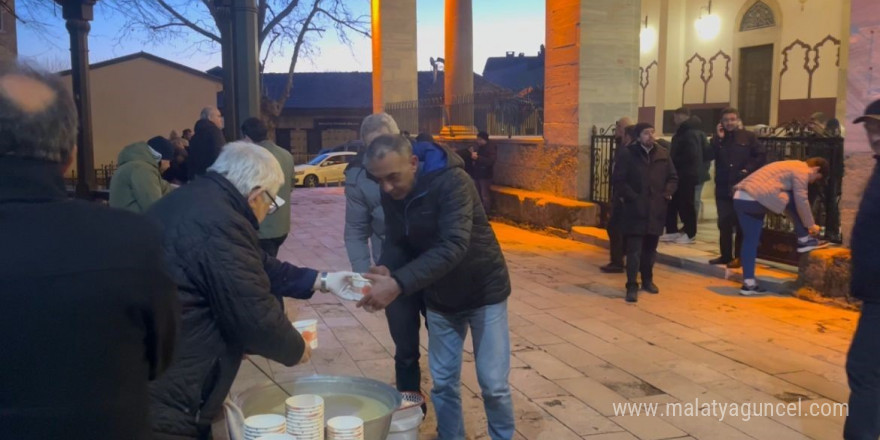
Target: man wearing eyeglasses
226, 284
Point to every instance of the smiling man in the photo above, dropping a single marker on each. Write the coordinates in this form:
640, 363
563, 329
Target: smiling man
438, 241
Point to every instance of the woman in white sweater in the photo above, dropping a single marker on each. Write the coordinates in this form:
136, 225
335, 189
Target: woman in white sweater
778, 187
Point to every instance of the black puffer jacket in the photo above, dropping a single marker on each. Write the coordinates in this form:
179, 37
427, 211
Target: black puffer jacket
736, 156
224, 279
866, 242
438, 240
204, 147
643, 182
687, 150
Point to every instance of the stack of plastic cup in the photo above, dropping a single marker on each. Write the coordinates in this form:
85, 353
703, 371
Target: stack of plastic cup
277, 437
345, 428
261, 425
305, 417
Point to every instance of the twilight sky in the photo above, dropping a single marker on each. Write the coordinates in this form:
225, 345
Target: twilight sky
499, 26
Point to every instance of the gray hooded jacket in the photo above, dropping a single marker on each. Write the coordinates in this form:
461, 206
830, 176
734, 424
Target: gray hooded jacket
364, 218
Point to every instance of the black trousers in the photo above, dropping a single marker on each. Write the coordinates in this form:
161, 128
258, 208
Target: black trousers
863, 372
683, 205
641, 252
727, 225
615, 234
404, 321
272, 245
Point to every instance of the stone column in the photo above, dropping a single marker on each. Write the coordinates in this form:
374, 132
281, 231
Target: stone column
591, 79
670, 51
395, 73
78, 14
862, 60
458, 70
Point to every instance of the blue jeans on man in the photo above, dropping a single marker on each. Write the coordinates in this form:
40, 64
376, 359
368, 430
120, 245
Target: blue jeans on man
751, 219
446, 335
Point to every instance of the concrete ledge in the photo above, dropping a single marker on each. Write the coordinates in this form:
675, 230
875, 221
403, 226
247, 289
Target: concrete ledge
695, 260
541, 209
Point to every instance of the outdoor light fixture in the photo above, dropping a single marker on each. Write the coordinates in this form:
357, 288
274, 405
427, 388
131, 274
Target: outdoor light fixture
708, 25
647, 38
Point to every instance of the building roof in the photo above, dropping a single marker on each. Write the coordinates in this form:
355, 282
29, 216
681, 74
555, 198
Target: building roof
351, 89
516, 72
151, 57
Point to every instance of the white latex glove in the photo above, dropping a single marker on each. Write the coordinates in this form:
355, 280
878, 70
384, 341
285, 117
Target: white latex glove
337, 281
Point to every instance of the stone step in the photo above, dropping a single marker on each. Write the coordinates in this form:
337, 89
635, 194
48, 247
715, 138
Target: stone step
541, 209
695, 258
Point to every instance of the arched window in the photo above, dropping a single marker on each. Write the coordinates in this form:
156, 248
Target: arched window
759, 16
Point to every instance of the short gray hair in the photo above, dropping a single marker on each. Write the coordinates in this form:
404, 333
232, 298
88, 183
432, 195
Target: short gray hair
388, 143
47, 133
248, 166
377, 124
206, 112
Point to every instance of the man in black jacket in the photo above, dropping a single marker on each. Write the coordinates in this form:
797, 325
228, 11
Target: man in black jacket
687, 156
737, 153
205, 145
616, 242
88, 313
644, 180
226, 284
438, 241
863, 360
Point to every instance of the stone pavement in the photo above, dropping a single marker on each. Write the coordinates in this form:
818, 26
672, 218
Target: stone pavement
579, 349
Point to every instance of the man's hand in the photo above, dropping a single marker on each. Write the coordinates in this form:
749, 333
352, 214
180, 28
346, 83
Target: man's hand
384, 290
719, 131
668, 198
307, 354
474, 155
380, 270
815, 230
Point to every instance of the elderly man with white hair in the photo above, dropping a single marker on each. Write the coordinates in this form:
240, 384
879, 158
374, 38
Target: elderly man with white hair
226, 284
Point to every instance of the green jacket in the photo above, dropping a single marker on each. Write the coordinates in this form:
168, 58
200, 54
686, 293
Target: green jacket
137, 184
277, 224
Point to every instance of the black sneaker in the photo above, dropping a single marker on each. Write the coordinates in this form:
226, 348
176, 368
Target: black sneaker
811, 244
747, 290
650, 288
632, 293
611, 268
719, 260
735, 264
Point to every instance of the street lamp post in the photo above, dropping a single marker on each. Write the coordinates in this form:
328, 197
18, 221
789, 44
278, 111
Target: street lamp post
78, 14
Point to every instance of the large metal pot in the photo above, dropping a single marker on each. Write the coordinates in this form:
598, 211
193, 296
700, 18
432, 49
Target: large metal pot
268, 398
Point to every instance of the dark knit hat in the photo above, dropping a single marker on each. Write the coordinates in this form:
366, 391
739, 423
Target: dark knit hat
483, 135
162, 146
642, 126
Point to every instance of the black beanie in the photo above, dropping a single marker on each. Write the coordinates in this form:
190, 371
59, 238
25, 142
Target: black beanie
162, 146
642, 126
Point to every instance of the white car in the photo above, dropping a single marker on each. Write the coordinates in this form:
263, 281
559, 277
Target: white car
326, 168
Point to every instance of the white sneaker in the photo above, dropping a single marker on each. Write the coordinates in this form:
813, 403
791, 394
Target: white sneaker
671, 237
684, 239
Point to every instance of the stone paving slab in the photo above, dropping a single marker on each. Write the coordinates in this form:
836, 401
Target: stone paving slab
579, 349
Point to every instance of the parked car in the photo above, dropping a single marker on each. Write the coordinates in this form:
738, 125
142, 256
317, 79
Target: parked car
326, 168
355, 146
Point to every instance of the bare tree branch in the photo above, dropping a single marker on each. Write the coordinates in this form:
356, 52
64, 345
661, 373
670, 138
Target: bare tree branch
277, 19
345, 23
186, 22
300, 39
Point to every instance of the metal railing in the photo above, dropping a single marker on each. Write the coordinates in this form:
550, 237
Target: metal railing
603, 146
498, 115
103, 174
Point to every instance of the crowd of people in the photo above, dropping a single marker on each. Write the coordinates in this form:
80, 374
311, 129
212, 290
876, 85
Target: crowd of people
132, 321
655, 186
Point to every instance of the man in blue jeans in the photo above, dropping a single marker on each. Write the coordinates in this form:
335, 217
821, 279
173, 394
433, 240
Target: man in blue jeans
779, 187
438, 241
863, 360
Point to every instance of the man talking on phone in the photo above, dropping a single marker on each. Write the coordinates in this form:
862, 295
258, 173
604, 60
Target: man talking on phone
737, 154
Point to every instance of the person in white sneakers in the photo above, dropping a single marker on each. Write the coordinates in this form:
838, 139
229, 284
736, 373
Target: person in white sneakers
778, 187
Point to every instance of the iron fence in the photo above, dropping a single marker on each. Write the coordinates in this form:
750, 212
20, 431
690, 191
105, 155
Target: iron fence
103, 174
498, 115
603, 146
